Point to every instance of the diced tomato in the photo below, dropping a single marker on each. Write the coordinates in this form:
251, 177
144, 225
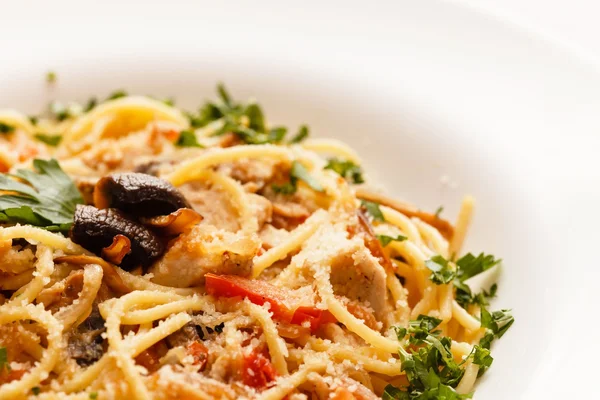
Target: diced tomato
149, 359
7, 376
199, 352
261, 292
257, 371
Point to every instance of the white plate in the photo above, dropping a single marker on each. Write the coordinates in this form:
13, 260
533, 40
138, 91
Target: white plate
423, 90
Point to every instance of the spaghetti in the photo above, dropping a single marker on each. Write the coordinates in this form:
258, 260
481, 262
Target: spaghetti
291, 278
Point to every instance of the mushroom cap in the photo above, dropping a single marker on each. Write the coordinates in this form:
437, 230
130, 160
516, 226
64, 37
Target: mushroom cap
96, 229
138, 194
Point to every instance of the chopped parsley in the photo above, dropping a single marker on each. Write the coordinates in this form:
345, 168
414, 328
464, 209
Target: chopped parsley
93, 396
187, 139
117, 94
4, 359
297, 172
92, 102
46, 198
50, 140
441, 272
60, 111
428, 363
438, 211
35, 390
50, 76
6, 128
373, 210
33, 119
347, 169
301, 135
467, 267
385, 239
247, 121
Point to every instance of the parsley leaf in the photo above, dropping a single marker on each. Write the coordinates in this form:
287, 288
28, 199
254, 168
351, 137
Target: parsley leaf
247, 121
4, 359
286, 188
48, 200
5, 128
60, 111
50, 76
482, 357
346, 169
50, 140
441, 272
373, 210
35, 390
301, 135
385, 239
297, 172
187, 139
429, 365
438, 211
117, 94
91, 104
93, 396
33, 119
498, 321
469, 265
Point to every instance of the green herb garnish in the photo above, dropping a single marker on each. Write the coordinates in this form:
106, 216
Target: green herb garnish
373, 210
50, 140
429, 365
467, 267
385, 239
92, 102
35, 390
47, 199
347, 169
93, 396
438, 211
5, 128
301, 135
50, 76
4, 360
297, 172
60, 111
247, 121
187, 139
117, 94
33, 119
441, 272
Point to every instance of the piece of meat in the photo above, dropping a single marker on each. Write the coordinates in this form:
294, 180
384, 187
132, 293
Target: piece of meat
62, 293
85, 343
261, 207
214, 205
183, 337
205, 249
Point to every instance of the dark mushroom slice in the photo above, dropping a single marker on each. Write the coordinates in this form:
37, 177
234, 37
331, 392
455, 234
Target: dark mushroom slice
96, 229
138, 194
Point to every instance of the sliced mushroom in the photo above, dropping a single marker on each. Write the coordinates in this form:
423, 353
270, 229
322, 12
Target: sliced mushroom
118, 249
175, 223
96, 229
138, 194
111, 277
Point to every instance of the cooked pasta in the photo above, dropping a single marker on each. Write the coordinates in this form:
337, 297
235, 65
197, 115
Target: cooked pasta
150, 253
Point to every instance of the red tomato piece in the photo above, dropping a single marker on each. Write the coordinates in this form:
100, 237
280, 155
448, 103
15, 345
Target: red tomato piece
257, 371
